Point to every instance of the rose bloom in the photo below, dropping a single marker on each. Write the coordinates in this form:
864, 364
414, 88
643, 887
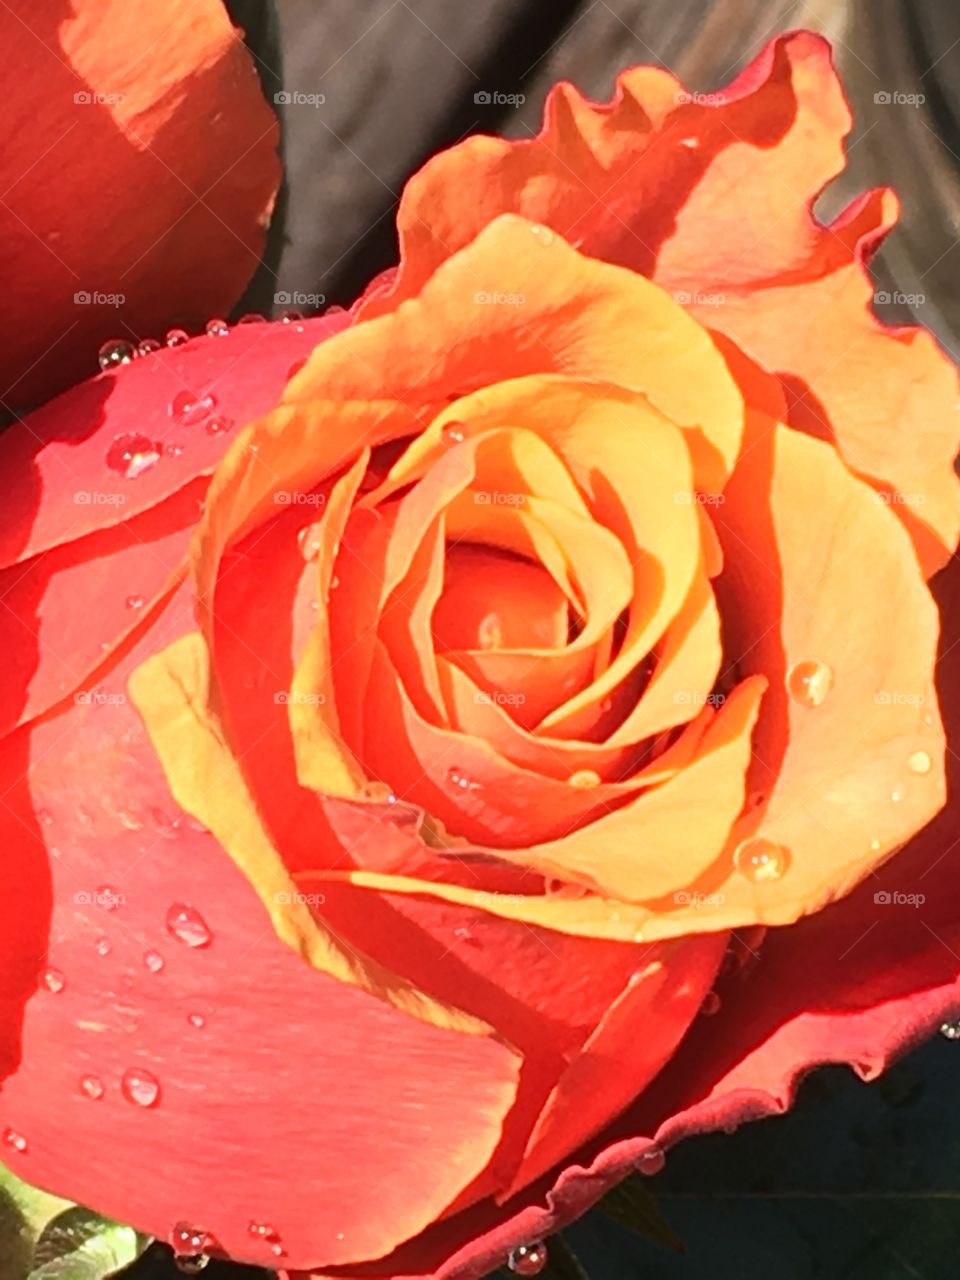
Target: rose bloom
417, 718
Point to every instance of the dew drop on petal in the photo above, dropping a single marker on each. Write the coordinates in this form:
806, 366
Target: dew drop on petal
92, 1087
177, 337
134, 602
252, 317
187, 925
760, 860
584, 778
457, 778
197, 1020
140, 1087
896, 796
153, 961
920, 762
543, 234
131, 455
191, 1264
107, 897
528, 1259
115, 352
808, 683
266, 1234
217, 328
52, 980
454, 433
15, 1141
190, 407
875, 845
378, 793
103, 947
217, 425
310, 540
710, 1004
950, 1030
651, 1161
147, 346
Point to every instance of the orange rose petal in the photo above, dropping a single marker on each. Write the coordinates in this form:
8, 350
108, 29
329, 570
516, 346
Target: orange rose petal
639, 1032
579, 317
887, 395
671, 834
324, 761
463, 781
646, 179
495, 602
107, 103
406, 623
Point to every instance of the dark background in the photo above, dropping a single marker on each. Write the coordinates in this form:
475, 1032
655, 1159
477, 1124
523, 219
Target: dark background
859, 1182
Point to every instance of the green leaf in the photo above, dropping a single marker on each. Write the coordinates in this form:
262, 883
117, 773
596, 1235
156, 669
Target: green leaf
45, 1238
632, 1205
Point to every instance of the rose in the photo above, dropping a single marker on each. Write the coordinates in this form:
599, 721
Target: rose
105, 104
447, 958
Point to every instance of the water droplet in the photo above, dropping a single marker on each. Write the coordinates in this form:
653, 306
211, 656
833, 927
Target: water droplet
197, 1020
310, 540
454, 433
379, 793
544, 235
177, 337
217, 425
16, 1141
950, 1030
134, 602
174, 448
334, 583
107, 897
290, 315
809, 683
710, 1005
251, 317
920, 762
268, 1235
92, 1086
140, 1087
154, 961
191, 1264
190, 1245
761, 860
147, 346
651, 1161
896, 796
296, 367
189, 407
115, 352
875, 845
217, 328
44, 817
458, 779
187, 925
131, 455
528, 1259
52, 980
584, 778
103, 947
